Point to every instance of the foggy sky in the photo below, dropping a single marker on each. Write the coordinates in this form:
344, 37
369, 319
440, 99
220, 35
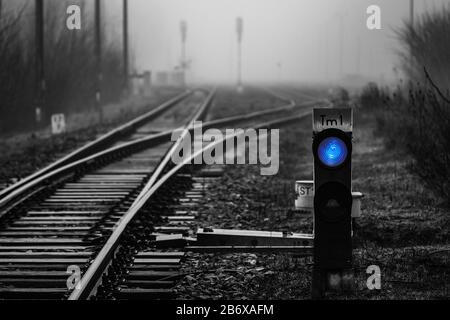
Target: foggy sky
303, 35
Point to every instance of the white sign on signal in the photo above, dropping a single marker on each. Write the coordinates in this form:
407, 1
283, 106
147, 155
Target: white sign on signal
305, 195
305, 198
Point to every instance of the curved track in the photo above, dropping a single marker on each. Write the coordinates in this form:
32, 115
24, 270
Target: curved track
138, 262
63, 218
78, 216
133, 127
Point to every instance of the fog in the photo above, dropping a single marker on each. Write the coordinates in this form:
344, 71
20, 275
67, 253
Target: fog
284, 40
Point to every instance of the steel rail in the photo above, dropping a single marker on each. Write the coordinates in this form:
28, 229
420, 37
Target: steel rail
292, 93
242, 117
87, 286
199, 115
305, 251
108, 138
281, 97
278, 96
92, 278
98, 144
20, 194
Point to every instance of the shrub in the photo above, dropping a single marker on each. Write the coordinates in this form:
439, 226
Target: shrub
339, 97
418, 124
427, 135
372, 98
426, 45
417, 119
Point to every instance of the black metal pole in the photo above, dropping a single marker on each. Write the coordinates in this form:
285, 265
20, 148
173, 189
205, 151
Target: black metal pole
98, 56
239, 64
411, 17
341, 46
39, 60
125, 46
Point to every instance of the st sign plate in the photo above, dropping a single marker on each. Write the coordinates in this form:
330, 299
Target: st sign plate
305, 195
304, 191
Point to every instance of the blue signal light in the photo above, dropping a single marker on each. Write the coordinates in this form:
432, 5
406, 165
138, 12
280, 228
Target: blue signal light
332, 152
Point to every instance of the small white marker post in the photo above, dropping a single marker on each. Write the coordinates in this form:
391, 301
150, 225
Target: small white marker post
58, 124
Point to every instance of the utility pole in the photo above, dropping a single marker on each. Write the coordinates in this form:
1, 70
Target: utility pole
324, 32
411, 19
125, 46
341, 46
240, 30
183, 31
39, 60
98, 57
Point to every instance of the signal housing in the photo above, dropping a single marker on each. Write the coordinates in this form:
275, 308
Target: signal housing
332, 189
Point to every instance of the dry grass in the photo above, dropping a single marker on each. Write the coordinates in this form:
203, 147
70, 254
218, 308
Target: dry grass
417, 125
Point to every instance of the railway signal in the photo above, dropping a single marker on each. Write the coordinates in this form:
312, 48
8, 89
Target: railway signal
332, 150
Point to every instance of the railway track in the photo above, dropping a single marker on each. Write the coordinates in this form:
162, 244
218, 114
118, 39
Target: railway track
70, 211
146, 264
289, 94
75, 231
150, 266
133, 129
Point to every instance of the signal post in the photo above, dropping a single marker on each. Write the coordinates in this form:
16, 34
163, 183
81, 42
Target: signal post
333, 199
